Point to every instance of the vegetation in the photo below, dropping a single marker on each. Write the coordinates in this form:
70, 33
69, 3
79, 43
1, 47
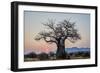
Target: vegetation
52, 56
57, 33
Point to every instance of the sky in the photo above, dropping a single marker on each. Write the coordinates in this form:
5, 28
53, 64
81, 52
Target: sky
33, 25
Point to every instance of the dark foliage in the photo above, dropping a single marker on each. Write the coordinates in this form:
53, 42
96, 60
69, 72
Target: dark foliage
43, 56
30, 55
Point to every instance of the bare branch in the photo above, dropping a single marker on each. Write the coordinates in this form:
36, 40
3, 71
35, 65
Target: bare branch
50, 41
50, 24
64, 29
45, 36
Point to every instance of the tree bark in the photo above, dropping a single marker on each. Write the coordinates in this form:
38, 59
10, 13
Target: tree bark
61, 54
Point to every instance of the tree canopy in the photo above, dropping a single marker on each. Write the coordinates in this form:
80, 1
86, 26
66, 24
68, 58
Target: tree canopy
64, 30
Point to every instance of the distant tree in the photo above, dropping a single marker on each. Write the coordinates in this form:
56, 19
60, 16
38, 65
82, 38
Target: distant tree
57, 33
51, 54
31, 55
43, 56
86, 54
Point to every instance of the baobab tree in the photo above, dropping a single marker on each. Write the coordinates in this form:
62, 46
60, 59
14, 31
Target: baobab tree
57, 33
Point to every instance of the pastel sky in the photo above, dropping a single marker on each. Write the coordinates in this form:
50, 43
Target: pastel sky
33, 25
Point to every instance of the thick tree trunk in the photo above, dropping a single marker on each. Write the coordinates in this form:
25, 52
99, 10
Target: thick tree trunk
61, 54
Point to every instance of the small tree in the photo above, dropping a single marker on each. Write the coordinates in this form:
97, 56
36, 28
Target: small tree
57, 33
43, 56
31, 55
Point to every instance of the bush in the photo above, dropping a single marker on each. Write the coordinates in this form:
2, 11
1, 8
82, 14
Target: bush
31, 55
43, 56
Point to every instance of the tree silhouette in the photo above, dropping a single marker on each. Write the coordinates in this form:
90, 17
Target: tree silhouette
43, 56
57, 33
31, 55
